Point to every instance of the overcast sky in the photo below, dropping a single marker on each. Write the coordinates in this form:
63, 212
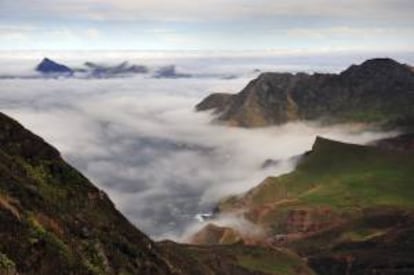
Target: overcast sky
294, 25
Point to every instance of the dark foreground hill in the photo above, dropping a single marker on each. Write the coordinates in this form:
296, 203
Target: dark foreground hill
347, 209
54, 221
378, 90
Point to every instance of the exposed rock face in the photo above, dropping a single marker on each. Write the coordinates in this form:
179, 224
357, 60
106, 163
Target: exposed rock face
218, 102
378, 90
48, 66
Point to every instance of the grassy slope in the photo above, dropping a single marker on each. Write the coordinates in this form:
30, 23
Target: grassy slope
237, 259
343, 175
358, 198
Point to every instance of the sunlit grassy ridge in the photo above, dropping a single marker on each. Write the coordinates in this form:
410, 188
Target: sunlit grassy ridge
342, 176
342, 208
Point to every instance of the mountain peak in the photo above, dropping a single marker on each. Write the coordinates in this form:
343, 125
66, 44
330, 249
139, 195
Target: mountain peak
49, 66
377, 66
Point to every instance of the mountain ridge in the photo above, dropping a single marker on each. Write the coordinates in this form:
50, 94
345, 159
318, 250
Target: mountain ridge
378, 90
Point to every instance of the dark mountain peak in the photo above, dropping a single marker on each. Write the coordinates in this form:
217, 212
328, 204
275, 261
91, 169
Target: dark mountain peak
49, 66
382, 61
378, 66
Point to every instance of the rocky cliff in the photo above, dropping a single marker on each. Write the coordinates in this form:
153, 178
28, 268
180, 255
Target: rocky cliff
54, 221
378, 90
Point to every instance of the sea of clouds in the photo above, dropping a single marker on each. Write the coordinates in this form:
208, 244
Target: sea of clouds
139, 139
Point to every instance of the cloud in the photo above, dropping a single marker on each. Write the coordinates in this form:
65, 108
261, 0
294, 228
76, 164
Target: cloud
15, 32
210, 24
139, 139
213, 9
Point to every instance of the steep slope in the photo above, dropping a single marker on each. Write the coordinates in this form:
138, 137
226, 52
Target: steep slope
347, 208
378, 90
54, 221
52, 218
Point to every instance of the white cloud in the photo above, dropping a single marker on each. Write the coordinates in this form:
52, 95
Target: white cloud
215, 9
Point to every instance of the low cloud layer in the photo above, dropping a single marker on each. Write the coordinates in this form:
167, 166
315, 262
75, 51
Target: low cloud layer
140, 140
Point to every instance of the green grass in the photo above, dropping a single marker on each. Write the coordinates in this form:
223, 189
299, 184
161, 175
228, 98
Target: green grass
253, 258
6, 263
341, 176
271, 263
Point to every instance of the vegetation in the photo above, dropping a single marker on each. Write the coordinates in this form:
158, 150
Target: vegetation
53, 219
342, 202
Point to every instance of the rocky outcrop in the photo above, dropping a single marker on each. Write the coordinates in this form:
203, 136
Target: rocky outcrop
216, 102
48, 66
378, 90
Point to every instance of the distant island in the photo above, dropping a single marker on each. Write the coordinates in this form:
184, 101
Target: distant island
50, 68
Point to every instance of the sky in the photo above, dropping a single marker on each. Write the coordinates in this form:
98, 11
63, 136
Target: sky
210, 25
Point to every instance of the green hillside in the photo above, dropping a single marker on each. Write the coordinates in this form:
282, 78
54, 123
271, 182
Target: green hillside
343, 176
341, 200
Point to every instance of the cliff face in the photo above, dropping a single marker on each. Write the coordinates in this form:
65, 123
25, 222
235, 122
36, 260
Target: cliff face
378, 90
54, 221
346, 208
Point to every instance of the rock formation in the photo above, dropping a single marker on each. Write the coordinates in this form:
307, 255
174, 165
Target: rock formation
48, 66
379, 90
